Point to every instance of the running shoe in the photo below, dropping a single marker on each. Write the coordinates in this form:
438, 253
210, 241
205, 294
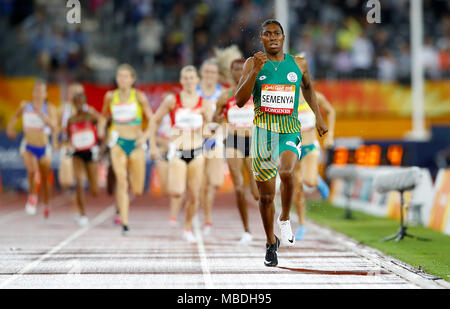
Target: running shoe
30, 206
83, 221
271, 259
301, 230
117, 219
46, 212
125, 230
189, 237
246, 238
287, 238
207, 228
323, 188
173, 222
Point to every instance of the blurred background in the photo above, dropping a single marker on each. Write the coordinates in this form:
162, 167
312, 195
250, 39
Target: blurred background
365, 70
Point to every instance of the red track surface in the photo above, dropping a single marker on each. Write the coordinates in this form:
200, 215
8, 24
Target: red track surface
56, 253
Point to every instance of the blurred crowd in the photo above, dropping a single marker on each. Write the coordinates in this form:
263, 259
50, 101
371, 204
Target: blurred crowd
160, 36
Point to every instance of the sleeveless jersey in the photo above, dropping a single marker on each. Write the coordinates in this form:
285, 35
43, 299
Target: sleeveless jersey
126, 113
306, 117
189, 119
83, 135
276, 96
213, 98
31, 119
239, 117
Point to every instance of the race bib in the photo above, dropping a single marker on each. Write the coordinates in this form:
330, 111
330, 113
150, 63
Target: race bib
278, 99
187, 120
32, 121
83, 140
241, 117
124, 112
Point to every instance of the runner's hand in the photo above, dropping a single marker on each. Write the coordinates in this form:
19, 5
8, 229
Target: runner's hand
328, 141
11, 133
155, 153
259, 60
321, 127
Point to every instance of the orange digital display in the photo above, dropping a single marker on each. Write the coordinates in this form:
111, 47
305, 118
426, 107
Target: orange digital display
368, 155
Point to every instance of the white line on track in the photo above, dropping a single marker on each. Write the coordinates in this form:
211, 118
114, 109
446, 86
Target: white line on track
202, 252
55, 203
108, 212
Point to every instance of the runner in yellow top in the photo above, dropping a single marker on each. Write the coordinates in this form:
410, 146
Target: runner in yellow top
306, 170
128, 107
274, 79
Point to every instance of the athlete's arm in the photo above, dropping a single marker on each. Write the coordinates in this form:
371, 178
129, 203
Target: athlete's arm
247, 82
331, 119
165, 108
142, 99
221, 103
310, 95
104, 115
52, 121
15, 117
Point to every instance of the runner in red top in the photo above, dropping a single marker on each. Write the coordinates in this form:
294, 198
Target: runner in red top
82, 134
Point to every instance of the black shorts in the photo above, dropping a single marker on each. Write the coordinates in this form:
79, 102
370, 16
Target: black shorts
86, 156
241, 143
188, 155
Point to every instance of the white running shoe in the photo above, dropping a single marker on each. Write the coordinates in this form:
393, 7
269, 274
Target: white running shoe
246, 238
83, 221
30, 209
207, 229
287, 238
30, 206
189, 237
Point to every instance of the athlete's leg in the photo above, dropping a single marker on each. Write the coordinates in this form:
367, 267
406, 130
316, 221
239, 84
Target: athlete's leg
137, 170
78, 167
286, 168
119, 161
162, 167
214, 179
235, 164
44, 170
251, 179
195, 171
91, 170
267, 207
299, 196
31, 165
176, 180
310, 169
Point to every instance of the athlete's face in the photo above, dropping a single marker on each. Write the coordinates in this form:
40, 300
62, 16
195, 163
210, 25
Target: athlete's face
236, 71
272, 38
79, 100
39, 92
210, 74
73, 90
189, 80
125, 79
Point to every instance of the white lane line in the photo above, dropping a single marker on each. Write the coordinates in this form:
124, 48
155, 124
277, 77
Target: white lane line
55, 203
97, 220
203, 258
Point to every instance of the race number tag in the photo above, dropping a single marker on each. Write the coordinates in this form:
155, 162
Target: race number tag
186, 119
124, 112
83, 140
307, 119
32, 121
241, 117
278, 99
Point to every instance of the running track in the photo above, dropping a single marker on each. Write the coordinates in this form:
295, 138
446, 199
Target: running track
35, 253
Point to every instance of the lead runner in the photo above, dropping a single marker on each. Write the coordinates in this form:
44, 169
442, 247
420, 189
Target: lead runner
274, 79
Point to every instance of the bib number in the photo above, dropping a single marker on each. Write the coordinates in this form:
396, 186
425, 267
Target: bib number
124, 113
83, 140
278, 99
32, 121
241, 117
187, 120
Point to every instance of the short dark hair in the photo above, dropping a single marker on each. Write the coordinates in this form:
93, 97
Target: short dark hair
272, 21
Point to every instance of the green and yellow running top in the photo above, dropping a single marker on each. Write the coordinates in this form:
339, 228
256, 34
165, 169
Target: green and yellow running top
276, 96
126, 113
